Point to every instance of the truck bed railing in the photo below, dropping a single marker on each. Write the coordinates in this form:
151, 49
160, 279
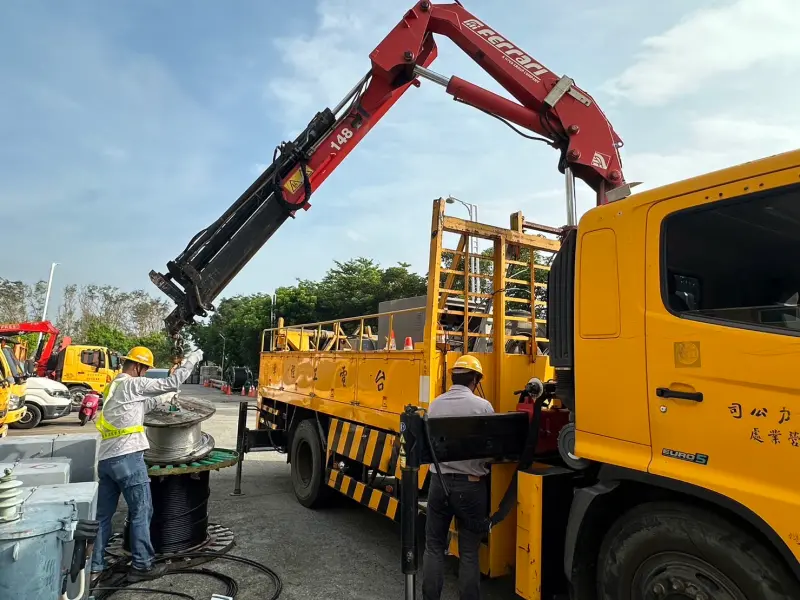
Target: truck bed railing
326, 336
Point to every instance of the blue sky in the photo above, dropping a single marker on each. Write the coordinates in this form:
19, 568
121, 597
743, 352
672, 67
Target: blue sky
126, 127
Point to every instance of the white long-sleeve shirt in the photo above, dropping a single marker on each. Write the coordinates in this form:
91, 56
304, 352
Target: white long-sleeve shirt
132, 398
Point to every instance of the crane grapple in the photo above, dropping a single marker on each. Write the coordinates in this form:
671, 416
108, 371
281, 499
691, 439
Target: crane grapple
216, 254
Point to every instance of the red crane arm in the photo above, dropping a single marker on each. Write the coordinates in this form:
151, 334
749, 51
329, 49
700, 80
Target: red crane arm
550, 106
43, 352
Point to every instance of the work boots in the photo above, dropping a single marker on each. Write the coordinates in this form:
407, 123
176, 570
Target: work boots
154, 572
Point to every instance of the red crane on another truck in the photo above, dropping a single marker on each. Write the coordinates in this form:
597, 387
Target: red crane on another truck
46, 344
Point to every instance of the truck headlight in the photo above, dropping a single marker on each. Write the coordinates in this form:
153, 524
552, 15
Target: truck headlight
14, 402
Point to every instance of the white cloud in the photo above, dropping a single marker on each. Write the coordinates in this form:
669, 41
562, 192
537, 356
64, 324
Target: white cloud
737, 39
716, 142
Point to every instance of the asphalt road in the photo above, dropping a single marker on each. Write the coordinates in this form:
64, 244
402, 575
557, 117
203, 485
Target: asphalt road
345, 551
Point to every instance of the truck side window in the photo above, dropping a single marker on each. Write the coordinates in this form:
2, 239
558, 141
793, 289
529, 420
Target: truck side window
90, 357
735, 262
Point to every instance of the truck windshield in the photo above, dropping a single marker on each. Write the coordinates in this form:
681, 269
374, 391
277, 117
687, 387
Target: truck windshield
12, 362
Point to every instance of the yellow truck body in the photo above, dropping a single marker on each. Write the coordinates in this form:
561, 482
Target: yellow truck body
12, 389
85, 367
674, 351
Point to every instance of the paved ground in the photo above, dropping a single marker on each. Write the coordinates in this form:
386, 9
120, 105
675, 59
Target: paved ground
344, 552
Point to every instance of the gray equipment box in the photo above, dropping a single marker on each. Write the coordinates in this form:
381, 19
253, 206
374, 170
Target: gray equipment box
84, 496
40, 471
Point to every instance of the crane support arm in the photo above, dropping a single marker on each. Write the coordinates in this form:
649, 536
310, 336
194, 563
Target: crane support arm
548, 105
46, 344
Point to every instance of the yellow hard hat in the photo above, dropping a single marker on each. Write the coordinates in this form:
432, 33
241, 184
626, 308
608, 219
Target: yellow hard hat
141, 355
468, 363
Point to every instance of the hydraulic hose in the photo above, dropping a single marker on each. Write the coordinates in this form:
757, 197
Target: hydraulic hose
232, 586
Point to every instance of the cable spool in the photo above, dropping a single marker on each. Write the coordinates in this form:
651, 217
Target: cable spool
180, 502
180, 513
174, 436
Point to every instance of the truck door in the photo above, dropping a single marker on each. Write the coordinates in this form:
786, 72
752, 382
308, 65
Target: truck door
722, 326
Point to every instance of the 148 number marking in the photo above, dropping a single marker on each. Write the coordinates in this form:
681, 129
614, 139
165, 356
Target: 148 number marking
344, 135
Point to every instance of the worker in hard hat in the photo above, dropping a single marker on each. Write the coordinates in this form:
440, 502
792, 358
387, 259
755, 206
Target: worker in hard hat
121, 468
466, 495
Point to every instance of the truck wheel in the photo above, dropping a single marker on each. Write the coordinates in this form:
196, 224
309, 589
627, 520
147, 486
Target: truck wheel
672, 551
308, 466
33, 416
76, 393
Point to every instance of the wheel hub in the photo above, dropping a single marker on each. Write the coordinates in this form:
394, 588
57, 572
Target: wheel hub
677, 576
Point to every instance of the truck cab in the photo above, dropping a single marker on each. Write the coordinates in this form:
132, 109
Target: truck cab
84, 368
12, 389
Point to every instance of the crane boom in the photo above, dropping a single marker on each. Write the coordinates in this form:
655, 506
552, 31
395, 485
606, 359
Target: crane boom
550, 106
46, 344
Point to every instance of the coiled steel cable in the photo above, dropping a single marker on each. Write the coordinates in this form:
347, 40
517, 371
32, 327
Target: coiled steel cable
180, 512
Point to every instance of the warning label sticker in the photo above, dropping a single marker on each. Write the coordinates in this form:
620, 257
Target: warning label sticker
295, 180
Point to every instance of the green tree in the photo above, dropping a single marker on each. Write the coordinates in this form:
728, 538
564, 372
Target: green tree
240, 320
348, 289
100, 334
161, 346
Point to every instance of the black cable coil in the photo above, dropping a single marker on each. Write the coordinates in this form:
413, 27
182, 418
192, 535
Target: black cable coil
180, 513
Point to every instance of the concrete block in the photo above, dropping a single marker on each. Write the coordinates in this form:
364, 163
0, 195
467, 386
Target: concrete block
32, 446
82, 449
40, 471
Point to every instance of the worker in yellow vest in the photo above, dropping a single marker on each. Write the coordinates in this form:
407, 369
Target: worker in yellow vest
121, 468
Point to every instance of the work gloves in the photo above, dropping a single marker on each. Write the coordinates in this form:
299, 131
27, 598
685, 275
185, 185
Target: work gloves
195, 356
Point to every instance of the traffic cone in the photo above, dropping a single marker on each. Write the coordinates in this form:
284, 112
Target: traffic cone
244, 392
228, 391
392, 343
409, 343
252, 393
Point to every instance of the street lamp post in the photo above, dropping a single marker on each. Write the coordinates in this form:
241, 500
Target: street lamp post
47, 299
49, 287
472, 209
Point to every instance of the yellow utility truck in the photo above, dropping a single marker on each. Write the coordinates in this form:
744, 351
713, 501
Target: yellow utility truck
80, 367
650, 452
672, 320
12, 387
84, 367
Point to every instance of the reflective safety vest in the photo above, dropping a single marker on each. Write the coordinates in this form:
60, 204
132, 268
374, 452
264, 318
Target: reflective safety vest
106, 429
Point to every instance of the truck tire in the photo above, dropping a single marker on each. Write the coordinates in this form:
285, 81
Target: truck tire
307, 461
672, 550
76, 393
33, 416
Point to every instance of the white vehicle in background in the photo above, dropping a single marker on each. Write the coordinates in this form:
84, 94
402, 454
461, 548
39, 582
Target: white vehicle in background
45, 400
